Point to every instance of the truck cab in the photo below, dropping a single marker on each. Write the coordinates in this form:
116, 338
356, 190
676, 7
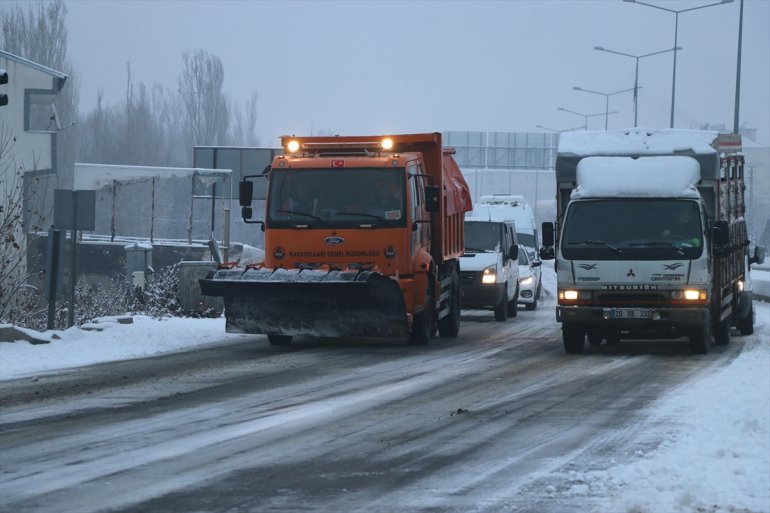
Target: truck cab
489, 266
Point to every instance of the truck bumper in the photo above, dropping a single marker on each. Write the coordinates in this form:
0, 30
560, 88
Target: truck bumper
665, 320
482, 295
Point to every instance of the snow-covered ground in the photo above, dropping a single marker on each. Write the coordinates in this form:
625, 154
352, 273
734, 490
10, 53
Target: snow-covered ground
715, 456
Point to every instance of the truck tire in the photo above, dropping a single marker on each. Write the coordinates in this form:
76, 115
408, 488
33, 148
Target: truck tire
700, 338
449, 326
722, 332
574, 338
513, 305
746, 325
501, 308
279, 340
422, 326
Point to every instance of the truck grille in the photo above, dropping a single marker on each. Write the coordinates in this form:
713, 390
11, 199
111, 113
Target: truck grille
470, 277
631, 299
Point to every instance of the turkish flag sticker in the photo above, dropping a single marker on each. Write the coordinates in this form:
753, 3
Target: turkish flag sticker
338, 163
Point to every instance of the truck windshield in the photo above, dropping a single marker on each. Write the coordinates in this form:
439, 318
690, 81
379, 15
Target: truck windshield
632, 229
481, 236
340, 198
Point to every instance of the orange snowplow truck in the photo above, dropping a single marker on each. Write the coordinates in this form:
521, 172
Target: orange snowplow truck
362, 239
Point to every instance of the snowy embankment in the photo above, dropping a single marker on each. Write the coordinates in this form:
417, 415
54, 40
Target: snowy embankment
715, 449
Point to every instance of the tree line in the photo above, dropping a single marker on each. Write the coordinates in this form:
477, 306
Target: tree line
153, 125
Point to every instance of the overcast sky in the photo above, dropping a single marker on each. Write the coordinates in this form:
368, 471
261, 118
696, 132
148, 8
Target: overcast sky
370, 67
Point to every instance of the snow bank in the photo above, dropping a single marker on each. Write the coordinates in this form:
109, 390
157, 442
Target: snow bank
639, 141
652, 177
716, 456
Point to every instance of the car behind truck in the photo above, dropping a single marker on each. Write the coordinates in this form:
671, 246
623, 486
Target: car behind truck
650, 238
362, 239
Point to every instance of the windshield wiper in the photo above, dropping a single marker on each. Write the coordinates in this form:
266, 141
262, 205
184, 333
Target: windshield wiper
659, 243
306, 214
598, 243
477, 250
365, 214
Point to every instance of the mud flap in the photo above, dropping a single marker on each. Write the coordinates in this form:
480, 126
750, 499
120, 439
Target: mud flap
308, 302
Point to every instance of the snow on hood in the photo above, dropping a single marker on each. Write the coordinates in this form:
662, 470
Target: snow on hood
638, 141
651, 177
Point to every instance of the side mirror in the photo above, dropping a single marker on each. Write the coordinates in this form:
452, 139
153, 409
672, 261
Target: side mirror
759, 255
432, 198
245, 193
547, 253
513, 253
536, 263
721, 233
548, 238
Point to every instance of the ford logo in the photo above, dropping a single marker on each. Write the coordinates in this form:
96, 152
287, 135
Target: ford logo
334, 241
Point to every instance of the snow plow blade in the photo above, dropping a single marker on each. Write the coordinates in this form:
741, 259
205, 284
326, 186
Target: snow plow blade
337, 304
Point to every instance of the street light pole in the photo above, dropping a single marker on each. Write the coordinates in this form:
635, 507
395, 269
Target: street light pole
606, 103
676, 39
636, 79
736, 128
585, 116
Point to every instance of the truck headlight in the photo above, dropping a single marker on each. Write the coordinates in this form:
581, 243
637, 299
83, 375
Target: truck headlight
526, 281
489, 275
574, 295
689, 295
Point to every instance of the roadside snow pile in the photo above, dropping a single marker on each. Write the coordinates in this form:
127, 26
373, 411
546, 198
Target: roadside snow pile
717, 458
77, 347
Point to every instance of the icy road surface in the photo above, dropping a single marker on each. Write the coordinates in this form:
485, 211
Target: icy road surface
499, 419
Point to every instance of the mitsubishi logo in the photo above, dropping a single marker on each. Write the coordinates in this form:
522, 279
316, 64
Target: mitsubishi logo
630, 273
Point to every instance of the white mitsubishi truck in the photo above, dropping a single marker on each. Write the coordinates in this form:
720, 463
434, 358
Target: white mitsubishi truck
650, 238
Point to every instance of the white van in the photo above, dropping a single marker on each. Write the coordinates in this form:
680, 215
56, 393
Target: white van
507, 206
489, 268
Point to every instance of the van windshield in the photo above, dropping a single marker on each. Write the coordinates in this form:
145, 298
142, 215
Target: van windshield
483, 236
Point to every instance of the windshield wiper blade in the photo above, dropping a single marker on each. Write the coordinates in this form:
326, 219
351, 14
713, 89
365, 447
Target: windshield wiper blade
306, 214
659, 243
477, 250
365, 214
598, 243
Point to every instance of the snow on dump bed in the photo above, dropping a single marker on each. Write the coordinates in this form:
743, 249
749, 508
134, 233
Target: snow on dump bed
651, 177
638, 141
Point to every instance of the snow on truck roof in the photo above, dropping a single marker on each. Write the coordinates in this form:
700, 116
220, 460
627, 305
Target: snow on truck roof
663, 176
645, 141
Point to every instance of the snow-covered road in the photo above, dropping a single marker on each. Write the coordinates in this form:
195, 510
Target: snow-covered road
499, 419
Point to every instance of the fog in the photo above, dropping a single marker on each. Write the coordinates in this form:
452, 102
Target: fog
386, 67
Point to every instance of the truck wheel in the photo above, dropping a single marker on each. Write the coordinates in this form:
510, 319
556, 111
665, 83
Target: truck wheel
449, 326
513, 305
746, 325
501, 308
574, 338
700, 338
279, 340
422, 326
722, 334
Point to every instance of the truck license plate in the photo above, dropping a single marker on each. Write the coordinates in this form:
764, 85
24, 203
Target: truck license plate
630, 313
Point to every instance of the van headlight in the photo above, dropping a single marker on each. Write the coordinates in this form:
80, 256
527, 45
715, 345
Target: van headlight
489, 275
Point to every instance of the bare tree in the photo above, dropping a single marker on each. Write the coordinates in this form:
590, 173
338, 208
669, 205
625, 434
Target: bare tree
206, 108
245, 126
17, 297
